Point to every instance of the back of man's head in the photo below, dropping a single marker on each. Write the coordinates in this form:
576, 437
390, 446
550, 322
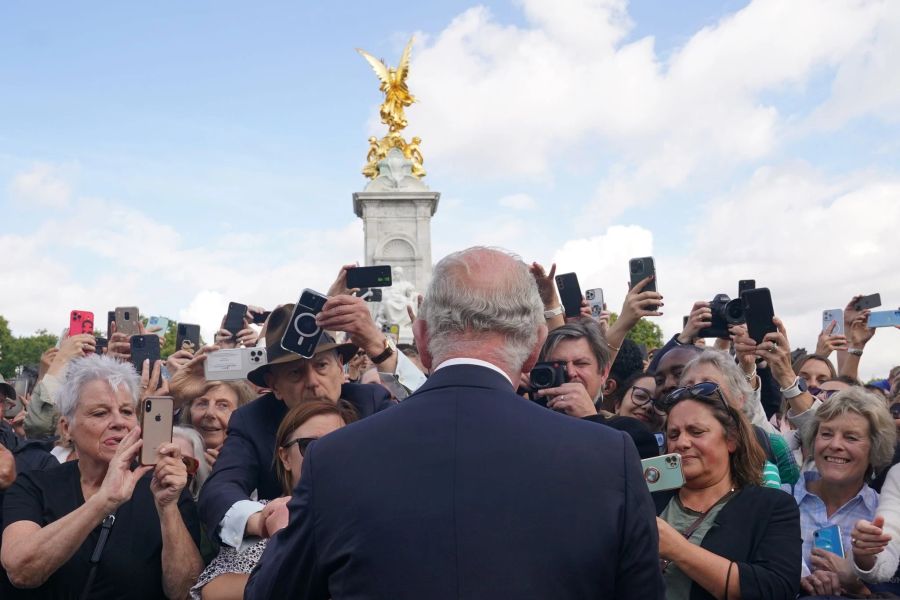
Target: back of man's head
482, 303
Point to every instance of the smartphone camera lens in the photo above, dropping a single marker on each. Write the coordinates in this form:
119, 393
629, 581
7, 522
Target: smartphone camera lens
127, 315
149, 406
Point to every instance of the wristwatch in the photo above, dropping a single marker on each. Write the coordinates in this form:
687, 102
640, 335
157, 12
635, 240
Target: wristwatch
389, 348
553, 312
795, 389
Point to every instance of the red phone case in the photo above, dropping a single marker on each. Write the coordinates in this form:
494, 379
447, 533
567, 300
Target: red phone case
81, 321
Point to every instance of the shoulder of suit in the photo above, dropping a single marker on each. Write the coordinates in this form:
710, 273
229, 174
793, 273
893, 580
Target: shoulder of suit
362, 391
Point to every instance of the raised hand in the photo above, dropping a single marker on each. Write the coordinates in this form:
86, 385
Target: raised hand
545, 284
119, 482
868, 541
700, 317
829, 341
169, 476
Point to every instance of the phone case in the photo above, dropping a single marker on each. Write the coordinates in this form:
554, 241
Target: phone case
144, 347
569, 293
127, 319
369, 277
759, 311
81, 321
641, 268
834, 314
744, 285
233, 364
870, 301
594, 297
189, 333
157, 325
884, 318
301, 336
829, 538
157, 415
663, 472
234, 319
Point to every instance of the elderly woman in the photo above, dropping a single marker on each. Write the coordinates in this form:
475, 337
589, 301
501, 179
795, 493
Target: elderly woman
227, 575
722, 535
144, 528
850, 437
718, 367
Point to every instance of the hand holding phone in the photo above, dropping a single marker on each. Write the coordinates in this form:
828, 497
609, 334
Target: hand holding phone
640, 269
829, 538
663, 472
301, 336
569, 293
157, 418
235, 318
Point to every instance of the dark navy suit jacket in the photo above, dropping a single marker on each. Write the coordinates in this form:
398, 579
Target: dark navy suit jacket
247, 459
466, 490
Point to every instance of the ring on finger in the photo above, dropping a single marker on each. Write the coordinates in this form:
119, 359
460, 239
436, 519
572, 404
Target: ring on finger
561, 397
773, 348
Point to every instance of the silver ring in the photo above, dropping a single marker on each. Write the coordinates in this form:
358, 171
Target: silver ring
774, 346
561, 397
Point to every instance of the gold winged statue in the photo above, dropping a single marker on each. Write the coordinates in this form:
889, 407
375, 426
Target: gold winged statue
396, 98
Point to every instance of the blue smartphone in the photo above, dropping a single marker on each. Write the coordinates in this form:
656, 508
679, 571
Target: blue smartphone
829, 538
884, 318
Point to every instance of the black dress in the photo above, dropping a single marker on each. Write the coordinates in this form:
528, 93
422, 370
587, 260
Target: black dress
131, 565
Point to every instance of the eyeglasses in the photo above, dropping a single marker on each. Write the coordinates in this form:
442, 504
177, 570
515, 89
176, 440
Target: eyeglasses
706, 390
641, 396
302, 444
821, 394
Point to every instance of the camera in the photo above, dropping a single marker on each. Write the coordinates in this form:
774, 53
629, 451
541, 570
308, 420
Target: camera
545, 375
302, 333
725, 312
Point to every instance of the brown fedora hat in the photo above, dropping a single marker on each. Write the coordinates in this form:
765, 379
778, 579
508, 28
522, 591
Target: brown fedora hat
275, 354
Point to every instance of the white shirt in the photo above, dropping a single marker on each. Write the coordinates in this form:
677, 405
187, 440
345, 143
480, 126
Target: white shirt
450, 362
889, 508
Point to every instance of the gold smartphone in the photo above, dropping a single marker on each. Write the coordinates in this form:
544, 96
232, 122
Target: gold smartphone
157, 415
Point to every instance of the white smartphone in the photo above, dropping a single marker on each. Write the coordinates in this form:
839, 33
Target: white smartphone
594, 298
834, 314
158, 325
233, 363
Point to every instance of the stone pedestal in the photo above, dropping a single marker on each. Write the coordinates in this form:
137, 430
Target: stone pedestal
397, 228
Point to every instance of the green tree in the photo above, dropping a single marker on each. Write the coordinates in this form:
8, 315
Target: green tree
27, 350
644, 332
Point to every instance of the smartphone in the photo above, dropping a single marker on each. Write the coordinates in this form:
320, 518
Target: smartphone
233, 363
187, 337
127, 319
660, 440
829, 538
884, 318
157, 416
260, 317
81, 321
569, 293
144, 347
110, 319
158, 325
870, 301
641, 268
595, 299
370, 294
746, 284
663, 472
301, 336
833, 314
234, 318
102, 343
369, 277
759, 312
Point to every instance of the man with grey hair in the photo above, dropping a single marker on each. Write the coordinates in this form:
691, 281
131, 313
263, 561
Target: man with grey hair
466, 490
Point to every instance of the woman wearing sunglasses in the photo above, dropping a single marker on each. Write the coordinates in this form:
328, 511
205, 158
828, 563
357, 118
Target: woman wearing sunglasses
227, 575
637, 401
723, 535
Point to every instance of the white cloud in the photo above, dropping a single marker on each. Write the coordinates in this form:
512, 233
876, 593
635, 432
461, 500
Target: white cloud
40, 186
518, 202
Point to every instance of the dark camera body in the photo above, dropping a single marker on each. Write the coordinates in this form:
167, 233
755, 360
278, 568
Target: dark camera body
548, 374
725, 312
302, 334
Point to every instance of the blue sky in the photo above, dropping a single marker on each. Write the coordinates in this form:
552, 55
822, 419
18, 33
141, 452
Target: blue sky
178, 157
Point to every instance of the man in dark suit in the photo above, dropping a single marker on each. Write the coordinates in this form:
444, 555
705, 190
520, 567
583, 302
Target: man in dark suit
466, 490
246, 461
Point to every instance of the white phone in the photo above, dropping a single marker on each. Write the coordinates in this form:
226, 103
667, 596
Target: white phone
233, 363
594, 298
834, 314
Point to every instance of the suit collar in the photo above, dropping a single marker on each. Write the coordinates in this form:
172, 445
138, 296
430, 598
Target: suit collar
468, 375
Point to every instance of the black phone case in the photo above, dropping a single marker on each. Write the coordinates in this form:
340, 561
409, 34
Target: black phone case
369, 277
187, 332
301, 336
144, 347
870, 301
641, 268
759, 311
744, 285
234, 319
569, 293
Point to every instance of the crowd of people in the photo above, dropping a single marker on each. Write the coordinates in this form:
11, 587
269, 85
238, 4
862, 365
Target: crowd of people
439, 469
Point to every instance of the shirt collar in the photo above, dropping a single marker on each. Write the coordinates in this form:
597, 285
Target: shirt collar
450, 362
867, 495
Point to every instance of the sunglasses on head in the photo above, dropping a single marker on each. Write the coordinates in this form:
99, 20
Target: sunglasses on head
706, 390
302, 444
895, 411
821, 394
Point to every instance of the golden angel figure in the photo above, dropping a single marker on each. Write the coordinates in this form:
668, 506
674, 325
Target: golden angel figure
393, 84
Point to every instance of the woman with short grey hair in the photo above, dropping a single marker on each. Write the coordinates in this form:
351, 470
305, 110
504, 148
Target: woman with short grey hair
141, 523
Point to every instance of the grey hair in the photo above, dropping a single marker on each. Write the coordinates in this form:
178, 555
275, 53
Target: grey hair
586, 328
193, 436
463, 300
738, 386
857, 400
82, 371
